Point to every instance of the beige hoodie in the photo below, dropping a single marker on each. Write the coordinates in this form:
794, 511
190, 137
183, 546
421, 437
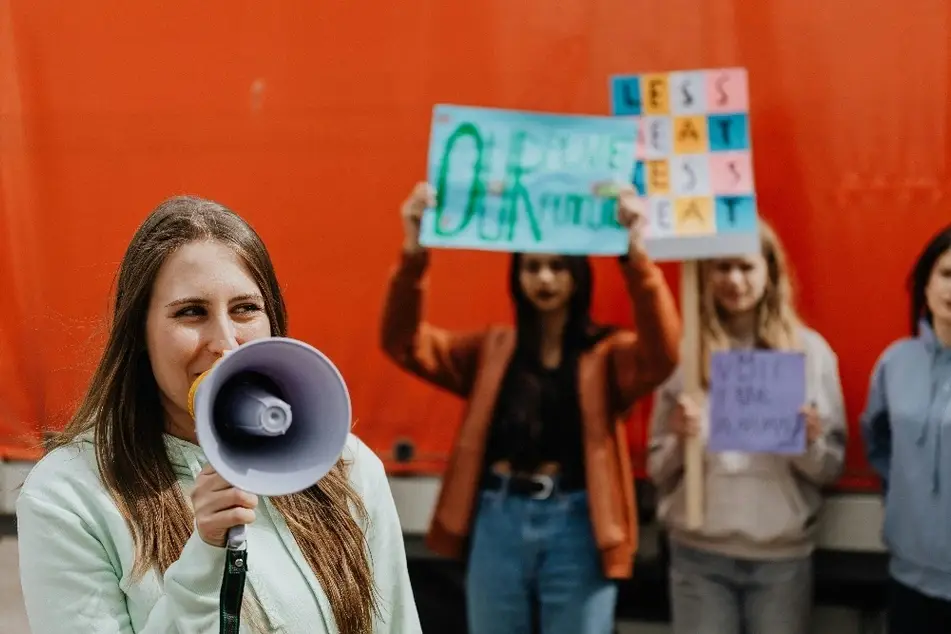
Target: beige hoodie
757, 506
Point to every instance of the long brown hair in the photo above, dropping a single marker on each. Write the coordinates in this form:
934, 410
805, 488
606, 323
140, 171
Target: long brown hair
777, 322
122, 409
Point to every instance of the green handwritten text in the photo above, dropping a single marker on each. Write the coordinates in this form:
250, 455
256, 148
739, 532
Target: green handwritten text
559, 153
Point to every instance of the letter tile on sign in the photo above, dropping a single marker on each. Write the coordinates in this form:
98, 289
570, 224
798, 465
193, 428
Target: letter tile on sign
626, 95
638, 178
658, 178
736, 214
655, 94
640, 142
727, 90
658, 137
660, 218
688, 93
728, 132
731, 173
691, 175
690, 135
694, 216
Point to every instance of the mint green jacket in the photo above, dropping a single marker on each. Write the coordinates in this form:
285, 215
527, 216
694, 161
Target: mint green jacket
76, 557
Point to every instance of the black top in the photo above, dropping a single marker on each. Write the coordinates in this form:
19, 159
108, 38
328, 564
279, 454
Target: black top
538, 419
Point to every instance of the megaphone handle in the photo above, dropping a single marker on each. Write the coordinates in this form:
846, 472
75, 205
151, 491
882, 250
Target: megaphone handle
237, 535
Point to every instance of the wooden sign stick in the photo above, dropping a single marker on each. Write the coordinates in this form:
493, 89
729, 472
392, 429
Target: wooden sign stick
690, 363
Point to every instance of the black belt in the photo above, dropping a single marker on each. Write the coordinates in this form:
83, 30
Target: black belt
532, 485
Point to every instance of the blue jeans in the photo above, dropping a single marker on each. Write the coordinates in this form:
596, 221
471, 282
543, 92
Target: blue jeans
714, 594
526, 551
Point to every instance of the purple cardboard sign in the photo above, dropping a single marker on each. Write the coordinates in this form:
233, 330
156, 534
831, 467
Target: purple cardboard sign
755, 398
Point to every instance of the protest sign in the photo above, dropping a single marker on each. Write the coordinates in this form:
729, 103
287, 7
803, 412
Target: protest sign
755, 402
519, 181
694, 160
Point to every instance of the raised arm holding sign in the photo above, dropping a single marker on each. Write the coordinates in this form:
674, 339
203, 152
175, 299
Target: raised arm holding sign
547, 398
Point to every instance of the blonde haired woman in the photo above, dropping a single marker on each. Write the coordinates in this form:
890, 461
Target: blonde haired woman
121, 529
748, 568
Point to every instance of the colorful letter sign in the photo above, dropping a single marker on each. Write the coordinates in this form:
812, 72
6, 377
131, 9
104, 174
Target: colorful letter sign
694, 160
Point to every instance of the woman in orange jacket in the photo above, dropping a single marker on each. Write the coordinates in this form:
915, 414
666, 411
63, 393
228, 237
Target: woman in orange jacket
538, 493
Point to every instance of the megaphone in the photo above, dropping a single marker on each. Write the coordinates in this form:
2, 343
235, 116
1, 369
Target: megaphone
272, 417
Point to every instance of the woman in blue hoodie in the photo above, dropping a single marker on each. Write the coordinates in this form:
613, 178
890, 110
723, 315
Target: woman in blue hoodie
907, 414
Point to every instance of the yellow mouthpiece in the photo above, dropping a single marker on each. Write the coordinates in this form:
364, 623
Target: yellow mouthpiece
194, 389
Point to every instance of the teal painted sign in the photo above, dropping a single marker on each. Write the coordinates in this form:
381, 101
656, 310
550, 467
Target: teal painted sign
519, 181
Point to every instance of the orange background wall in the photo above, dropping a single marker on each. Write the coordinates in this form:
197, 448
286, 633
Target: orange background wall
311, 120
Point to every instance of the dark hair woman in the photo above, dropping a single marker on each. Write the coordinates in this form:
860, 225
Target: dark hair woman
906, 416
539, 492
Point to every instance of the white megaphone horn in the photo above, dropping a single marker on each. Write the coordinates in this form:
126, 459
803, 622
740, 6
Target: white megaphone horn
272, 417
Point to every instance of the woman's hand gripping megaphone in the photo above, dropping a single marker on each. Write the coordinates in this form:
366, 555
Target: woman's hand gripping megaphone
219, 508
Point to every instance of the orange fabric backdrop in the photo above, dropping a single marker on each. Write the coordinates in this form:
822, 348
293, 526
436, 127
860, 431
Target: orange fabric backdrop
311, 119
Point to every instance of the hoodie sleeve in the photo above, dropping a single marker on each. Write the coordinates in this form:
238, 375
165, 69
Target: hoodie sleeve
875, 424
665, 457
70, 584
444, 358
646, 358
824, 459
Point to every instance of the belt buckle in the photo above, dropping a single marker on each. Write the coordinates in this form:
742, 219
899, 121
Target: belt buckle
548, 485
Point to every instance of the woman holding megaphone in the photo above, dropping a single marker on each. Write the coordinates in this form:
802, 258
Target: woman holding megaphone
108, 540
538, 494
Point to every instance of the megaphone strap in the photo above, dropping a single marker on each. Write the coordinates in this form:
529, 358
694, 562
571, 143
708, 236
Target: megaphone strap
232, 591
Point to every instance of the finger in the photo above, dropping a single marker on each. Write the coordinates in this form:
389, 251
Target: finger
629, 200
626, 189
686, 402
427, 194
229, 498
225, 519
624, 215
223, 501
416, 200
636, 218
423, 193
206, 479
212, 482
235, 517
